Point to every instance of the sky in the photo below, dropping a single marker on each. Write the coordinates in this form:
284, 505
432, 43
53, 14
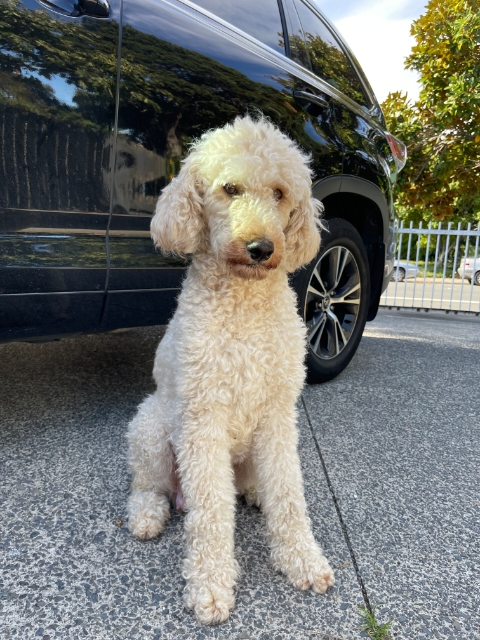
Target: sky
378, 33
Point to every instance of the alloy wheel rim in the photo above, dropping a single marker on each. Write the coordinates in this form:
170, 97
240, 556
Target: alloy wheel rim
332, 303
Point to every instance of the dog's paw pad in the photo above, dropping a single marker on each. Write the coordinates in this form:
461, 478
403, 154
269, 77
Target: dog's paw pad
322, 581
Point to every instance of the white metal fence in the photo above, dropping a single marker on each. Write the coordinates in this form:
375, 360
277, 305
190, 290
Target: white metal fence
436, 269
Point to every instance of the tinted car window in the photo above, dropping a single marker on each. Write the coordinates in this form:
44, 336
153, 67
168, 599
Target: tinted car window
327, 58
258, 18
298, 49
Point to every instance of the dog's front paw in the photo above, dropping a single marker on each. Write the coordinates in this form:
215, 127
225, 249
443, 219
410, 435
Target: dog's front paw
317, 578
211, 603
147, 514
146, 526
308, 570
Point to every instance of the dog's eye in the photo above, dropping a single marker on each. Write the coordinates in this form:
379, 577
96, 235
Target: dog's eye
231, 189
277, 194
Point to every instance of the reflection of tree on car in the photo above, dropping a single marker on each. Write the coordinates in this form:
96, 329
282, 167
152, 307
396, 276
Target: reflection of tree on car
67, 135
330, 64
168, 94
34, 47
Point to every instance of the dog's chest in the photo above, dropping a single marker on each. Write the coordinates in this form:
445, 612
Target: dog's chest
252, 346
237, 357
244, 358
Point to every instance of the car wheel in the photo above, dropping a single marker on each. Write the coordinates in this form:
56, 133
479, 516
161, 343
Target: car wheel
476, 279
400, 274
333, 293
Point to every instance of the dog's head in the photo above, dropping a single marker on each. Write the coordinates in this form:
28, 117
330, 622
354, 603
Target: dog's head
244, 193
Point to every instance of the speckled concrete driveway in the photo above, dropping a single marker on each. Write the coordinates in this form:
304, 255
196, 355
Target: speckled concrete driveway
396, 478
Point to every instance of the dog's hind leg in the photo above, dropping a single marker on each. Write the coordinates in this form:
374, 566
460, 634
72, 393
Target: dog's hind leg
151, 462
246, 482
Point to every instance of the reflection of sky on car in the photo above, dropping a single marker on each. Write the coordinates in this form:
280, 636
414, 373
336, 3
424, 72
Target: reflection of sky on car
62, 91
164, 24
256, 20
8, 52
315, 135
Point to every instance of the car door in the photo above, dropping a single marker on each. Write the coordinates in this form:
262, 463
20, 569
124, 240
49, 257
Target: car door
57, 111
185, 68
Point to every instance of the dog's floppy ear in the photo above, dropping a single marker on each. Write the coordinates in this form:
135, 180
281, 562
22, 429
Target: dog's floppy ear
302, 233
177, 226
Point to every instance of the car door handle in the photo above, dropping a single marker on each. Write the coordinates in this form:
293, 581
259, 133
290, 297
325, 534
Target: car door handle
77, 8
304, 98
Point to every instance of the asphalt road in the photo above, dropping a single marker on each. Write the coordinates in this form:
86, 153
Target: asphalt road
411, 293
399, 437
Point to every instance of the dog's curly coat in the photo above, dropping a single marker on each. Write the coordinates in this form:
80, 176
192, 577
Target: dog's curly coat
230, 367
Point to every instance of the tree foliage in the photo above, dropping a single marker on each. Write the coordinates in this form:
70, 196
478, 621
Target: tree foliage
442, 129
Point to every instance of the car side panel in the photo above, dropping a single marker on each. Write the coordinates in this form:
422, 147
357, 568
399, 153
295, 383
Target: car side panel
56, 134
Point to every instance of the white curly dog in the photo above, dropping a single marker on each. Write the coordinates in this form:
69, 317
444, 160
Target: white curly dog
230, 367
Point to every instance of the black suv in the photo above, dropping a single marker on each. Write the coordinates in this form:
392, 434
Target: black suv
98, 104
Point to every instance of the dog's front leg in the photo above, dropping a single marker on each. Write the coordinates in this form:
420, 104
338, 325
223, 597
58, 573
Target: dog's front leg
294, 550
208, 487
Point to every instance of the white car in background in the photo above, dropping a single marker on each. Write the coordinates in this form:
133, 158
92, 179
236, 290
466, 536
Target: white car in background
403, 269
470, 270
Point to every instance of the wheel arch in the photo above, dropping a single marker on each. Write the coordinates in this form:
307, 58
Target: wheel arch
363, 205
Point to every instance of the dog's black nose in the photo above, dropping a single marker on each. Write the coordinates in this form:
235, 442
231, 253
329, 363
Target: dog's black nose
260, 250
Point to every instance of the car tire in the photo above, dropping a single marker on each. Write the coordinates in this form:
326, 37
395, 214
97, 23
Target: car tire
400, 276
334, 329
476, 279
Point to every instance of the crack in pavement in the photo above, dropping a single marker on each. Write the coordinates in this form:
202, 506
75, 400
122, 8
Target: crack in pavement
339, 513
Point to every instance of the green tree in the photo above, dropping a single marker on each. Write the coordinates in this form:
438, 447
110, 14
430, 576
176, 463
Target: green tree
442, 129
